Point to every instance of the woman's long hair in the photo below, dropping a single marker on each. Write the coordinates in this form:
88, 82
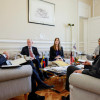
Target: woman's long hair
54, 46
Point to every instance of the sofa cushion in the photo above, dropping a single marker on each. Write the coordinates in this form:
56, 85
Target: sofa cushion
14, 73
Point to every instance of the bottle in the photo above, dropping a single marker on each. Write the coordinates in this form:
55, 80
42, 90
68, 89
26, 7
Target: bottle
76, 59
71, 58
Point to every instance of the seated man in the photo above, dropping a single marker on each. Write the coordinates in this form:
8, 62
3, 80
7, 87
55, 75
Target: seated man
35, 78
31, 51
93, 71
3, 58
97, 50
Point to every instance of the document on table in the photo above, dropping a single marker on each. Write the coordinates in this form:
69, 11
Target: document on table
80, 66
80, 60
56, 69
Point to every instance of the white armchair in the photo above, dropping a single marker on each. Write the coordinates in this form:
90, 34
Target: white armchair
84, 87
15, 81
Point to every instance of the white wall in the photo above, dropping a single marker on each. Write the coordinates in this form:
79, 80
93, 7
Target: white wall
14, 22
93, 34
84, 12
81, 34
88, 2
96, 8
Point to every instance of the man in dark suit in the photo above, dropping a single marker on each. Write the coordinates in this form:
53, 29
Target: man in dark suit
35, 78
32, 52
94, 70
3, 58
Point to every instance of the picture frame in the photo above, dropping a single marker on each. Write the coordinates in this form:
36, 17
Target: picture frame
41, 12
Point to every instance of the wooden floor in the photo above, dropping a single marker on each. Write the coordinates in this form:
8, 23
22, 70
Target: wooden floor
49, 94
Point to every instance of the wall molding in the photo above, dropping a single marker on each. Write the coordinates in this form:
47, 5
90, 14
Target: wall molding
67, 45
81, 42
94, 18
18, 47
92, 42
35, 42
89, 42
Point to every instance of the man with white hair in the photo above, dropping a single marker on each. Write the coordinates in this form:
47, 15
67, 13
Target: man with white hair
32, 52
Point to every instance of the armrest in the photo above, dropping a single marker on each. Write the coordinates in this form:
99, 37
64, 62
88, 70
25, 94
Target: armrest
15, 73
85, 82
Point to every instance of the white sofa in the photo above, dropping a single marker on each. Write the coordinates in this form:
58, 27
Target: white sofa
84, 87
16, 54
15, 81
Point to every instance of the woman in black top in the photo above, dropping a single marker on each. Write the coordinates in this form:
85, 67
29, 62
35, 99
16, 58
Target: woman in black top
56, 51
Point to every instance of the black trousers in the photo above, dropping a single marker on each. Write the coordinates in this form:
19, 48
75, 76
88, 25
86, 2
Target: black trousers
38, 65
70, 70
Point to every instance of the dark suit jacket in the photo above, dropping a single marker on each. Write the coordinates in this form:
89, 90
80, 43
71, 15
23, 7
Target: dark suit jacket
53, 53
94, 71
2, 60
25, 51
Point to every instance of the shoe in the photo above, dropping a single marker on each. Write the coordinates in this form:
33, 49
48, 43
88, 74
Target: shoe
47, 76
65, 98
42, 78
67, 88
44, 86
33, 96
39, 98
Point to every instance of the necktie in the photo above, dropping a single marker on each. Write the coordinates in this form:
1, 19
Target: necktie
30, 52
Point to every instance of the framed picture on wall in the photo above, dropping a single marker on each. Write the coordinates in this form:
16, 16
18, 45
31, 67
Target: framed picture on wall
41, 12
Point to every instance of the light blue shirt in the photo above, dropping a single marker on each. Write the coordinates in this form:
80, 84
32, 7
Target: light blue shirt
96, 52
7, 62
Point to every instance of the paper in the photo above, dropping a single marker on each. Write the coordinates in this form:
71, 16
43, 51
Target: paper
80, 60
18, 61
28, 58
10, 66
80, 66
60, 63
61, 69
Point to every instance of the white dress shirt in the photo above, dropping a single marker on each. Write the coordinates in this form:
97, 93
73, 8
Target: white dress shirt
96, 52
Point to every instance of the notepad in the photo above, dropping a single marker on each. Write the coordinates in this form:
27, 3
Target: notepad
14, 63
18, 61
60, 63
